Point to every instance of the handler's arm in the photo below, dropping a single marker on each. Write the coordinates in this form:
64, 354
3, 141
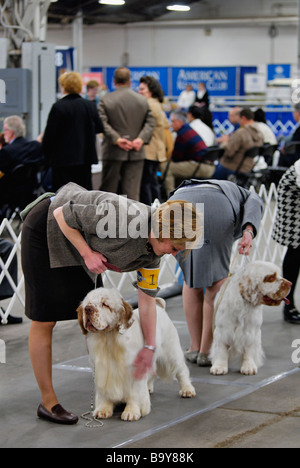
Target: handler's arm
93, 260
147, 310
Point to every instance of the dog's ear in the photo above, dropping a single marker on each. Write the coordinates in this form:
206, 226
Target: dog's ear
125, 316
248, 292
80, 319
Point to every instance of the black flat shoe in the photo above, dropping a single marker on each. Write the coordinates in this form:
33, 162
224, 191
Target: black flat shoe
291, 315
58, 415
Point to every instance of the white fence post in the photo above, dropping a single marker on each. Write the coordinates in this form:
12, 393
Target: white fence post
4, 270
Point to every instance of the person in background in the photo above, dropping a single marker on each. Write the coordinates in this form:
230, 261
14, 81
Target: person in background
15, 150
128, 127
189, 151
186, 98
286, 231
69, 140
202, 97
92, 92
234, 119
261, 124
246, 137
197, 117
6, 290
156, 150
288, 159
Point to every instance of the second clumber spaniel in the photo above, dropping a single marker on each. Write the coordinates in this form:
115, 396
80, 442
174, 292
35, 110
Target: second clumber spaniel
114, 338
239, 315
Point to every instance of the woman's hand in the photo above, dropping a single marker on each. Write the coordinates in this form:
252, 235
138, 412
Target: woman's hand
95, 262
246, 243
143, 363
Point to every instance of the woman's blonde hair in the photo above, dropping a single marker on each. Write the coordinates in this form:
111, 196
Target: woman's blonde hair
71, 82
179, 221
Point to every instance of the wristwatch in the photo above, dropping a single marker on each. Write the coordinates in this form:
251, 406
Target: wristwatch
251, 232
152, 348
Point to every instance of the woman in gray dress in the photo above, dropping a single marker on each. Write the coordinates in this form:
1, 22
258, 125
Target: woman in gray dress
71, 238
230, 212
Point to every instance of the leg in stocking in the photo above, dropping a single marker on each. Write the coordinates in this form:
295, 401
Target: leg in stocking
40, 350
193, 305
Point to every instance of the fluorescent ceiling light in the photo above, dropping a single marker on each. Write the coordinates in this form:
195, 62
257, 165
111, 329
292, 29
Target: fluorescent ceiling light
178, 8
112, 2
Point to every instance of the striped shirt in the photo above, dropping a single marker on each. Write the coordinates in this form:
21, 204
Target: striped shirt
189, 146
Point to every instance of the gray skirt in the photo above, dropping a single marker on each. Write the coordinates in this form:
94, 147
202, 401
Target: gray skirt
211, 263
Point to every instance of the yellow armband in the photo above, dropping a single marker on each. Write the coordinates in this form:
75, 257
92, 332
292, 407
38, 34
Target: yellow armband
147, 279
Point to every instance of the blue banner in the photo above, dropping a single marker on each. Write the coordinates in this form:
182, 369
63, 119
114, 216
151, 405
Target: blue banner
64, 58
279, 71
219, 81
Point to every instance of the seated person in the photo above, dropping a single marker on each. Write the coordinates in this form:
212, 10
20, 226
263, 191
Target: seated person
246, 137
234, 119
199, 120
288, 159
6, 290
261, 124
18, 150
189, 150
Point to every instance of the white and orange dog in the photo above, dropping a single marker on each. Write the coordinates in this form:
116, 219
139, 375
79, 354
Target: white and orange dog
239, 315
114, 338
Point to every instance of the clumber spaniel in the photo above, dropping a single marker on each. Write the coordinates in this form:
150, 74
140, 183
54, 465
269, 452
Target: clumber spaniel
239, 316
114, 338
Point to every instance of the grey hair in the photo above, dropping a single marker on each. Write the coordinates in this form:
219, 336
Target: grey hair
16, 125
180, 115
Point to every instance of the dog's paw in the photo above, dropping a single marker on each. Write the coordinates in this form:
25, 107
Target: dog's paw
103, 413
131, 413
187, 391
151, 388
248, 369
219, 369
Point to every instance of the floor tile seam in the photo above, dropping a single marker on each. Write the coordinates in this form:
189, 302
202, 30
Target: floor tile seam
253, 411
